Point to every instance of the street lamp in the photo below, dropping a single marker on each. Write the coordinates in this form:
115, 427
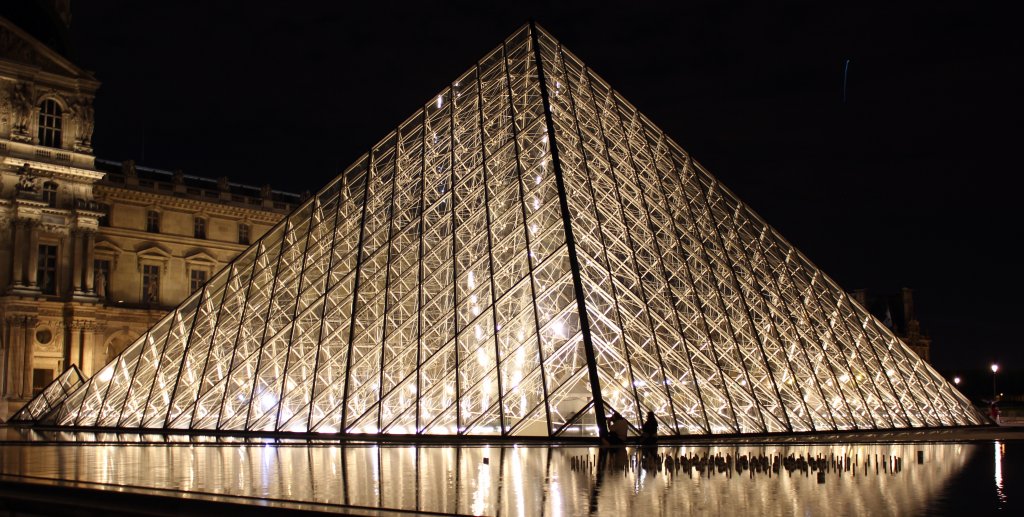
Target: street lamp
956, 380
995, 368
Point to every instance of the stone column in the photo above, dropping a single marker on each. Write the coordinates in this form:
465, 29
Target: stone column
18, 258
33, 253
76, 261
30, 358
90, 261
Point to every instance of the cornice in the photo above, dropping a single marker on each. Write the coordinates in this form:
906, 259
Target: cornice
107, 193
127, 233
62, 172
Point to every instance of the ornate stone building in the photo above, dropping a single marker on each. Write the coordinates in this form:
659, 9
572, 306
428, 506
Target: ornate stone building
896, 311
93, 252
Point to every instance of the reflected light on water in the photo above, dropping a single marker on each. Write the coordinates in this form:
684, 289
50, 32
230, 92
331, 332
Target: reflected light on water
520, 480
1000, 450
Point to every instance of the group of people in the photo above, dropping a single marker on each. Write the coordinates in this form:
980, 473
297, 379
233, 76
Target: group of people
618, 430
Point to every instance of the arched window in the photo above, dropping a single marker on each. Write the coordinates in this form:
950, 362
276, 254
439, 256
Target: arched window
50, 123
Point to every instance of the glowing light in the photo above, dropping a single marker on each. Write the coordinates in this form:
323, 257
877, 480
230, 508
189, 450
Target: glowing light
558, 329
440, 100
267, 401
995, 367
956, 380
105, 374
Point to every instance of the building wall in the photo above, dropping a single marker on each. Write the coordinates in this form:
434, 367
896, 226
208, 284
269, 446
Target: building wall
93, 212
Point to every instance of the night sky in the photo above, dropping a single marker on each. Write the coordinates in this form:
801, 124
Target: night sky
913, 181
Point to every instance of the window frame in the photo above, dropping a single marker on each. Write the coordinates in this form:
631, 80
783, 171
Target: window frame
50, 193
153, 220
50, 123
199, 227
42, 269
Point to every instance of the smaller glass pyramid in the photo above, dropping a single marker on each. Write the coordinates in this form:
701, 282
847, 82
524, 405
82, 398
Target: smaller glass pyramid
52, 395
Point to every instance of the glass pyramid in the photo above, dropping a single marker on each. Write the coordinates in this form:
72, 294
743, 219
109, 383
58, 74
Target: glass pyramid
521, 256
53, 394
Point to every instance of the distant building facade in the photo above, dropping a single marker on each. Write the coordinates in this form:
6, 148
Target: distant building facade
896, 311
94, 252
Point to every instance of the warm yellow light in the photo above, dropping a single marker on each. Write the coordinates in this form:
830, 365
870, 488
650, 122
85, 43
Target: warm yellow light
106, 374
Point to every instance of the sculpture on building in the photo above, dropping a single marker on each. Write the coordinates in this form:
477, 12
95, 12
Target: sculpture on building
128, 169
22, 108
82, 113
27, 182
100, 281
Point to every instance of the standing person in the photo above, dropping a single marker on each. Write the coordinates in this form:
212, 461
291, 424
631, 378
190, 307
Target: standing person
993, 411
649, 432
617, 429
649, 441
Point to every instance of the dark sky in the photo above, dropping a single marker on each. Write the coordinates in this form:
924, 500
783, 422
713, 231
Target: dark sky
913, 181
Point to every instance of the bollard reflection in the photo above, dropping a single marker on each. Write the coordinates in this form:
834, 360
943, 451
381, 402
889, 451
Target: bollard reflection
1000, 449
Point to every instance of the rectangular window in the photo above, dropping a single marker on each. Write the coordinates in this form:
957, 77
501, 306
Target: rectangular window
50, 193
41, 378
46, 274
101, 279
197, 277
199, 228
150, 284
153, 221
243, 233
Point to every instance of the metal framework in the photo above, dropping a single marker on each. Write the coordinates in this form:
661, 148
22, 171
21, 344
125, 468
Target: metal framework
523, 254
53, 394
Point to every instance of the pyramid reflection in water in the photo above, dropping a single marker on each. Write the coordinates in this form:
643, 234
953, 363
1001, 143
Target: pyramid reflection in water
522, 255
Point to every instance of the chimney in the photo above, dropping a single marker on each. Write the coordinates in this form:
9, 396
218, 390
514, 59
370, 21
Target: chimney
908, 304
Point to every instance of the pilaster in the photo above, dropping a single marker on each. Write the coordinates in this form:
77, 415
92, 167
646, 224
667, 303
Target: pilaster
90, 262
76, 261
33, 254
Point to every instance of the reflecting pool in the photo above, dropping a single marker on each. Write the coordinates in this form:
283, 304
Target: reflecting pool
840, 479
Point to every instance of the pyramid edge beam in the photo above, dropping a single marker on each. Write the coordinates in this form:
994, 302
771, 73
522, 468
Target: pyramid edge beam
570, 242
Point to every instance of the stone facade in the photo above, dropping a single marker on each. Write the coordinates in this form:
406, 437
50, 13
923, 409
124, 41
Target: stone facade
93, 252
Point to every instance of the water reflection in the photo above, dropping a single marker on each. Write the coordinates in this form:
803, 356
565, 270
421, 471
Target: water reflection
517, 480
1000, 450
